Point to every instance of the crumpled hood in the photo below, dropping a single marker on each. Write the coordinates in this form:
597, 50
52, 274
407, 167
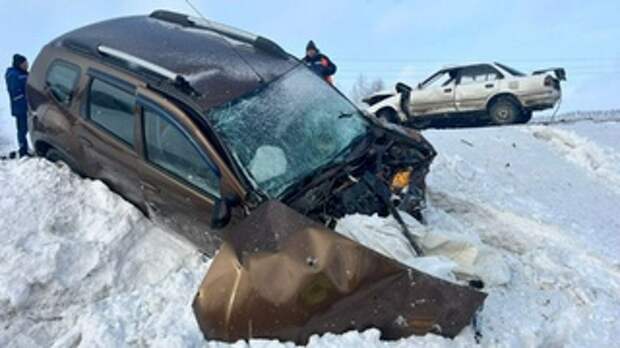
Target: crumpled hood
280, 275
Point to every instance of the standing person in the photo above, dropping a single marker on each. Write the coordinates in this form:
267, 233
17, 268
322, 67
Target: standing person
319, 63
16, 77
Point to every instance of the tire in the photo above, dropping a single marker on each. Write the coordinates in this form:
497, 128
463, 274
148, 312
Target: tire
526, 117
58, 158
388, 115
505, 111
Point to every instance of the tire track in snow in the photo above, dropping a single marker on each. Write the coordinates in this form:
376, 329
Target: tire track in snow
600, 162
561, 293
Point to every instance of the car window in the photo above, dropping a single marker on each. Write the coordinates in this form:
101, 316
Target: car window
478, 74
171, 149
439, 80
510, 70
112, 109
61, 80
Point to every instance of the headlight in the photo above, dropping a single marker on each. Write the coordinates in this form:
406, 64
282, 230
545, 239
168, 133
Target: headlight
401, 179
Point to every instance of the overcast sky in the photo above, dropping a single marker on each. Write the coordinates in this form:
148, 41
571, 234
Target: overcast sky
393, 40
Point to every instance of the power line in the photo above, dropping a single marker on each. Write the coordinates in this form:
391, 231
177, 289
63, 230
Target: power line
449, 59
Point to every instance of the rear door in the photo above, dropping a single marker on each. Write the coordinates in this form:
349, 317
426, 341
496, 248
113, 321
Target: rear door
179, 178
59, 113
107, 135
435, 95
475, 85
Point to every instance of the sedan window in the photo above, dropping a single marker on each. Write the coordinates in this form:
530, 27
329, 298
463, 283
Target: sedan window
478, 74
440, 79
170, 149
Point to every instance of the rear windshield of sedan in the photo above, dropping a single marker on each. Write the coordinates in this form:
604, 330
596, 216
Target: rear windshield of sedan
510, 70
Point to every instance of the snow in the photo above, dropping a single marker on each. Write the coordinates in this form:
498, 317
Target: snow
531, 210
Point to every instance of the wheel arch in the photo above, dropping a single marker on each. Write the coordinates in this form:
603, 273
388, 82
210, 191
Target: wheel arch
387, 108
391, 108
41, 147
511, 96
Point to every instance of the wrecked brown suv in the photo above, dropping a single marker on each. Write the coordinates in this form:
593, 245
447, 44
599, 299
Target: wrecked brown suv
200, 125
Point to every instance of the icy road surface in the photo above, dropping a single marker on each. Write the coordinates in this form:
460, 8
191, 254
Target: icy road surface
536, 210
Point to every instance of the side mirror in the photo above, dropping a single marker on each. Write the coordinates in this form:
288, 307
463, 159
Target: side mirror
222, 212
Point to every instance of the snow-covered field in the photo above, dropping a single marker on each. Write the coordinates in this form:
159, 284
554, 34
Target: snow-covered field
533, 210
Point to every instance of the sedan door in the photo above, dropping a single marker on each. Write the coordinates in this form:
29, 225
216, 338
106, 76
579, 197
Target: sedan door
475, 85
435, 95
180, 181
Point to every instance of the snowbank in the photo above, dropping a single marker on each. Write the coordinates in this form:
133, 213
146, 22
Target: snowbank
81, 267
79, 264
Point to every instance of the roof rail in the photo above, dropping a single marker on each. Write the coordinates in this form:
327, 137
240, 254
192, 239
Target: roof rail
178, 80
232, 32
223, 29
144, 64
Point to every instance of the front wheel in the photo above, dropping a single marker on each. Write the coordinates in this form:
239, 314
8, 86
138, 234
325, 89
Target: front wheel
388, 115
58, 158
505, 111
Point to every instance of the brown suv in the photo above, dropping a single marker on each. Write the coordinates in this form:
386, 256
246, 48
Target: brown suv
212, 129
193, 122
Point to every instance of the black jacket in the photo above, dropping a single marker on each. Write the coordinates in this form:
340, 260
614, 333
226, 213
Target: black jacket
321, 65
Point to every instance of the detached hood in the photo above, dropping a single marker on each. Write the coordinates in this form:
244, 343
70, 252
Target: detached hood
280, 275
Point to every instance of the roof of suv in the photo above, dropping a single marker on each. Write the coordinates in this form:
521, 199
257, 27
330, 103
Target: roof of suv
218, 66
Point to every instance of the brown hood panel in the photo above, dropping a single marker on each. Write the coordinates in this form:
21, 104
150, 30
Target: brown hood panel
283, 276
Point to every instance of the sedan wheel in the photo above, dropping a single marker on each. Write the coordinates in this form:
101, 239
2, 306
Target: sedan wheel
504, 111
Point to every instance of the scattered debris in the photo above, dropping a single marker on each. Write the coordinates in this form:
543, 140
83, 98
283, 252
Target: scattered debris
467, 143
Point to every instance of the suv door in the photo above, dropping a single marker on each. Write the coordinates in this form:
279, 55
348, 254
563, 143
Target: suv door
59, 113
107, 136
435, 95
475, 85
180, 181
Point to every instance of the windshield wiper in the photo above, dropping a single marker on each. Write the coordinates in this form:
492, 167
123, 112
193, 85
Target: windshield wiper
346, 114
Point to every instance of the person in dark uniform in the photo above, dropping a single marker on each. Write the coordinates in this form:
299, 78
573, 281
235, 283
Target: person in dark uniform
16, 77
319, 63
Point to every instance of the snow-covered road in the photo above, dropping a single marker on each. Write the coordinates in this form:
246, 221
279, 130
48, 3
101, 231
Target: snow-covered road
81, 267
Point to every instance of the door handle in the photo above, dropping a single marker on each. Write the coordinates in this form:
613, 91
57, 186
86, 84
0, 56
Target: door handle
447, 90
489, 85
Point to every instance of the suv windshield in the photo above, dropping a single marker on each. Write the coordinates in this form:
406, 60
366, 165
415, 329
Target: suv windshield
289, 129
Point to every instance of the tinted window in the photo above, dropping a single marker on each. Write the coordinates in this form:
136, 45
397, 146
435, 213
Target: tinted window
477, 74
112, 109
61, 79
169, 148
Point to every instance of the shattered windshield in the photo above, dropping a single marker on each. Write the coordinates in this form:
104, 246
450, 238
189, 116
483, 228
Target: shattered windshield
289, 129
